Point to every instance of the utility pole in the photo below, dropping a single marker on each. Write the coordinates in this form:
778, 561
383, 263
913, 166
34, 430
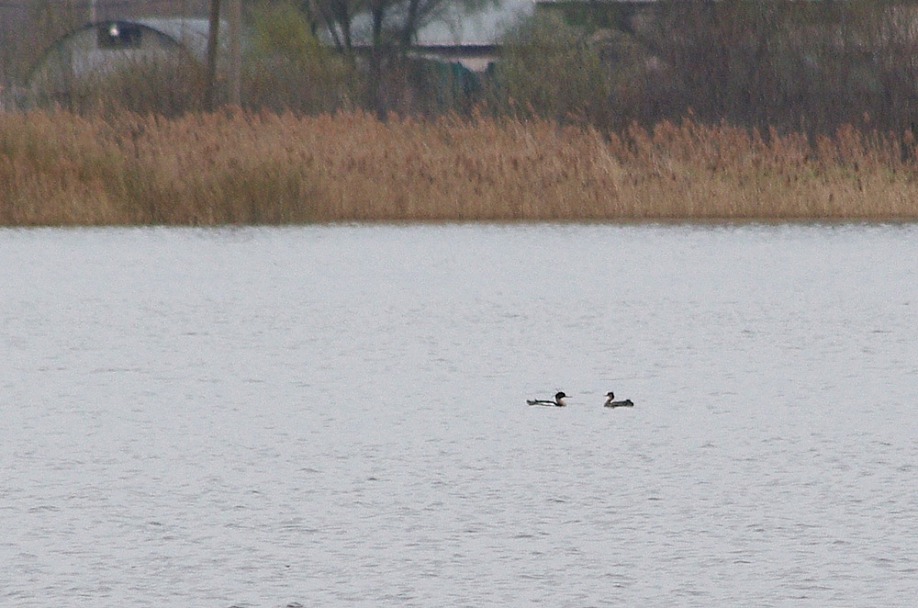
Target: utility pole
234, 16
213, 41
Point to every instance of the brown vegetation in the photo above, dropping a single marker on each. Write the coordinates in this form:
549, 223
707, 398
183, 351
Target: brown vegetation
239, 168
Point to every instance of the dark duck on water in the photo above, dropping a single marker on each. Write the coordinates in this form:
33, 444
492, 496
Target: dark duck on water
611, 402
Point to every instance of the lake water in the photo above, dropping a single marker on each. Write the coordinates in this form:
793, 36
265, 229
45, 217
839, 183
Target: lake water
336, 416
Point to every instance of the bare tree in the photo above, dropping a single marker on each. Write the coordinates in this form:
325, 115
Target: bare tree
337, 17
394, 26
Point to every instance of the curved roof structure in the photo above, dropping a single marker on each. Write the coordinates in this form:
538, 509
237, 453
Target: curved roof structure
103, 45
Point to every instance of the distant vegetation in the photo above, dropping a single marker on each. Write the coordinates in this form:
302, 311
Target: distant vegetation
794, 66
242, 168
732, 110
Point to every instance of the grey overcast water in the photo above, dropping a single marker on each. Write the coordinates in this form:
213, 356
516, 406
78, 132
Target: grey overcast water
336, 416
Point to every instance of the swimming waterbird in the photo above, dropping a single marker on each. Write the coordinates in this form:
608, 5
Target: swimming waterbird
558, 402
611, 402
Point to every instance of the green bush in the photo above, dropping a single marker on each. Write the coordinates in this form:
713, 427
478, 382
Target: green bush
550, 69
288, 69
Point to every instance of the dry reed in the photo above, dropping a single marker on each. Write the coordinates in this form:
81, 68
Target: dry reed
237, 168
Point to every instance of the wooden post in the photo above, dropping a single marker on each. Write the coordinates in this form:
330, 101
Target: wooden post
213, 41
234, 16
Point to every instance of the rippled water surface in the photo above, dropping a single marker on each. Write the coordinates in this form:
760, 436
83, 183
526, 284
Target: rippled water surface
336, 416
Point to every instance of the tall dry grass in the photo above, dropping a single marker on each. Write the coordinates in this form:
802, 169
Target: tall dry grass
237, 168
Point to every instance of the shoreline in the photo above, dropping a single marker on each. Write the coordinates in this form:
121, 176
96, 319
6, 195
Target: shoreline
620, 223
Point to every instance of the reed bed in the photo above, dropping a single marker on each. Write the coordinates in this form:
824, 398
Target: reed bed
232, 167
